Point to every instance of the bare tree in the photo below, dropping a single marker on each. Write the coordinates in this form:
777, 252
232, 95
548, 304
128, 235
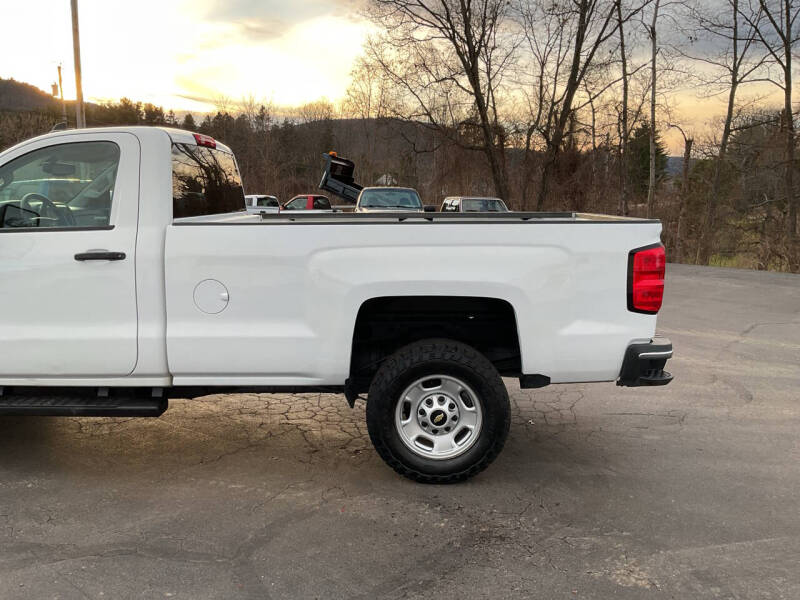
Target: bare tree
624, 129
727, 61
774, 23
573, 34
368, 101
368, 96
630, 108
449, 57
651, 187
317, 110
548, 43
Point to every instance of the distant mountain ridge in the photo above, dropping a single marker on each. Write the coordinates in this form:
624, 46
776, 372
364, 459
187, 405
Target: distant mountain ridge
17, 95
20, 96
675, 165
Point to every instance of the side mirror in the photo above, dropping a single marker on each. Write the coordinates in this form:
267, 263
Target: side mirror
429, 208
12, 215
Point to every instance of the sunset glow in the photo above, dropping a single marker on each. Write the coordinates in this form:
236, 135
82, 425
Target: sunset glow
187, 55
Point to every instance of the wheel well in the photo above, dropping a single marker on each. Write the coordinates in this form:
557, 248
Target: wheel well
384, 325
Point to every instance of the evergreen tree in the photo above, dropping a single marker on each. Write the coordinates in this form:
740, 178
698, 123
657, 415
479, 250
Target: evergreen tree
153, 115
263, 121
222, 126
206, 127
188, 123
639, 159
127, 112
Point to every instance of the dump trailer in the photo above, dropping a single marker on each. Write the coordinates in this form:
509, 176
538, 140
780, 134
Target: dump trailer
338, 177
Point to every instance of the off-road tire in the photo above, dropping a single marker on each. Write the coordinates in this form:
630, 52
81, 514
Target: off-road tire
444, 357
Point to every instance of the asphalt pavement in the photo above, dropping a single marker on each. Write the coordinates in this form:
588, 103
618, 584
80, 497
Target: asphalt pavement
686, 491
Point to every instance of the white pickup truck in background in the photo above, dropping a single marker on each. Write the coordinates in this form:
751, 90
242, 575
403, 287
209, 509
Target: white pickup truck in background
132, 273
258, 203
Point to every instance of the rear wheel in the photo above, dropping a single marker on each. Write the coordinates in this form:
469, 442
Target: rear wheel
438, 411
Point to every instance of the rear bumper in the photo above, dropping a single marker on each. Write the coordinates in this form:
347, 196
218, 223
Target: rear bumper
644, 363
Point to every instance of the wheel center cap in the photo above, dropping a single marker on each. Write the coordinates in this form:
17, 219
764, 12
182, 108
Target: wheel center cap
438, 417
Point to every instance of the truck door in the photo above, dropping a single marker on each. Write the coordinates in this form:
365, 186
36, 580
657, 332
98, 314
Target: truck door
68, 217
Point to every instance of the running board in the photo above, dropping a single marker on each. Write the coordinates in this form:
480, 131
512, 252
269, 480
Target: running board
82, 402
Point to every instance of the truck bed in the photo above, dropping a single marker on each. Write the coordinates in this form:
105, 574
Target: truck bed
297, 282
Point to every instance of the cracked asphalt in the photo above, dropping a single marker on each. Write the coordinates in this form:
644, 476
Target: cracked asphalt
687, 491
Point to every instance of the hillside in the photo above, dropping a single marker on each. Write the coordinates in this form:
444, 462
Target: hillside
16, 95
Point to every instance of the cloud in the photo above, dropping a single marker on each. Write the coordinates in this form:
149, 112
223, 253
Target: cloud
309, 60
261, 30
194, 52
265, 20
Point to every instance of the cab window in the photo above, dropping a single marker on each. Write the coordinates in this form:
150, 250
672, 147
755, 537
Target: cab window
61, 186
298, 203
205, 181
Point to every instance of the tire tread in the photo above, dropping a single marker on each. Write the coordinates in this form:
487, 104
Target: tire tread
419, 353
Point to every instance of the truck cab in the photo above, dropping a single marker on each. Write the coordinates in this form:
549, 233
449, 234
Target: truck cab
388, 199
258, 203
473, 204
82, 226
308, 202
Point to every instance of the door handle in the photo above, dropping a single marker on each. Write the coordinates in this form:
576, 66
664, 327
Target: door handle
100, 255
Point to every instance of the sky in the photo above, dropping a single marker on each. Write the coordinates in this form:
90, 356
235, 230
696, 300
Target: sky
186, 54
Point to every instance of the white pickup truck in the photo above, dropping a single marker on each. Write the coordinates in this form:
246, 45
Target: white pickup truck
132, 273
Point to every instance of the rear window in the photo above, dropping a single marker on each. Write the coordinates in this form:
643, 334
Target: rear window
321, 203
390, 198
483, 205
205, 181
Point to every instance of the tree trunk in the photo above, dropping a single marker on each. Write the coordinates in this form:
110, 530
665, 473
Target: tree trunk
573, 81
496, 158
791, 200
544, 182
623, 157
708, 233
687, 156
594, 144
527, 170
651, 189
705, 243
494, 149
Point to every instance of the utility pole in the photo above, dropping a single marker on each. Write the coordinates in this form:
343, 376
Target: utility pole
76, 50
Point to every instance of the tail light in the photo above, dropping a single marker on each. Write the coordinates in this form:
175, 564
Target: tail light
646, 267
205, 140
